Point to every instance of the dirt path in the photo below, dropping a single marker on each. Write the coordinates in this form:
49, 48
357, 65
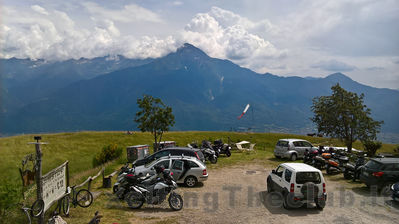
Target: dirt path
238, 195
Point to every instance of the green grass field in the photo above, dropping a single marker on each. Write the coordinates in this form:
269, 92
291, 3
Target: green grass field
79, 149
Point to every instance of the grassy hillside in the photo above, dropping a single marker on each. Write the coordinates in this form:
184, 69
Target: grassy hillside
79, 149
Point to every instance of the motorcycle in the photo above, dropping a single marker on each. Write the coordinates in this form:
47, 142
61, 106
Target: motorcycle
154, 191
223, 148
309, 157
209, 154
125, 179
207, 145
352, 171
337, 163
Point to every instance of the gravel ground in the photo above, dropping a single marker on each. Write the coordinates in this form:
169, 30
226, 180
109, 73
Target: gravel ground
238, 195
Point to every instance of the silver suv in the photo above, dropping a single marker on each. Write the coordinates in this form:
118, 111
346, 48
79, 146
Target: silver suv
292, 148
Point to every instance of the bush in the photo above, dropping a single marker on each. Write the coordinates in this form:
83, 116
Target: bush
371, 147
108, 153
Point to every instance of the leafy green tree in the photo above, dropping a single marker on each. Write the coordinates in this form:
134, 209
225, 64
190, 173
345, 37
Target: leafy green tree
154, 117
371, 147
343, 115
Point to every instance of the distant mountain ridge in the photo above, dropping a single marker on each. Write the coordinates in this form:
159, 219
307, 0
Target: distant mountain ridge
205, 94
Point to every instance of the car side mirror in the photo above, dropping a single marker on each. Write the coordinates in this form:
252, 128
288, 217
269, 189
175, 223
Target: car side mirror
274, 171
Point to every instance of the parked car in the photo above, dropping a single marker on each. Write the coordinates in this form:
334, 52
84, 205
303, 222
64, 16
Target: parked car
175, 151
187, 170
298, 183
380, 172
292, 148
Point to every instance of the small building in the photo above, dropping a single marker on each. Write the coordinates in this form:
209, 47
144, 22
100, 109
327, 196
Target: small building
137, 152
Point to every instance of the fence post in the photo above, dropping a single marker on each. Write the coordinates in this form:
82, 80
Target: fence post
39, 186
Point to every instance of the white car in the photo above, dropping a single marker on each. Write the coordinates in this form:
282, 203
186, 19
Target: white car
292, 148
298, 183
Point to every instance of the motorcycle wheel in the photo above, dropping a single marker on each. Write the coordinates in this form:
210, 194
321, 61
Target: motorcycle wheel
175, 201
213, 160
114, 189
134, 200
347, 175
228, 153
328, 171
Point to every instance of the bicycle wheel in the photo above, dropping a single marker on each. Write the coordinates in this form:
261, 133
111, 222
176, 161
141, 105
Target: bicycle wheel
27, 218
65, 204
84, 198
37, 208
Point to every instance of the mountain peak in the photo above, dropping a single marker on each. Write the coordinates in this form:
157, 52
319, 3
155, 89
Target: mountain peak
338, 77
190, 50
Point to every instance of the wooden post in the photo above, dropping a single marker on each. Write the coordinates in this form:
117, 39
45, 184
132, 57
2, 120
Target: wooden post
39, 186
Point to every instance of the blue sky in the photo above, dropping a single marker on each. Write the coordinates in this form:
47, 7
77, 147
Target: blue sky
287, 38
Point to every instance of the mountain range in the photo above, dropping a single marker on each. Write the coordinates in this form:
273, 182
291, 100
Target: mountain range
205, 93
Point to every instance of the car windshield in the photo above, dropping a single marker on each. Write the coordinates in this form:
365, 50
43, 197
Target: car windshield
373, 165
303, 177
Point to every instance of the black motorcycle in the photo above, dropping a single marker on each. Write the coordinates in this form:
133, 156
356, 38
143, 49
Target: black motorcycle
207, 145
222, 148
209, 153
352, 171
308, 157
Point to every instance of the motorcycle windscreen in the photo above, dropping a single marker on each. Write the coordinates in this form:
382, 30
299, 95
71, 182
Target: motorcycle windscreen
177, 169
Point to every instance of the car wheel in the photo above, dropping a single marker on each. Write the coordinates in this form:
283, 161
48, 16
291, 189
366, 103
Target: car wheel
285, 202
294, 157
190, 181
269, 186
278, 157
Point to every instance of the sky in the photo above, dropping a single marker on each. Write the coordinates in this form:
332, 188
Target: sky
359, 38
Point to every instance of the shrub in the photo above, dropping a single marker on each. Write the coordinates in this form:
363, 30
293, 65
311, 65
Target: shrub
107, 153
371, 147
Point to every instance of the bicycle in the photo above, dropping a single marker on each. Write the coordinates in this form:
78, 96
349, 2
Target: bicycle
83, 198
35, 210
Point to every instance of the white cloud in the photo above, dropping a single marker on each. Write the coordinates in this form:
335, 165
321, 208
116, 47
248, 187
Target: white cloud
177, 3
54, 35
129, 13
284, 40
223, 34
39, 9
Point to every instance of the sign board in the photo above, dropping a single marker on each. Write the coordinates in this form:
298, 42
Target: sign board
54, 185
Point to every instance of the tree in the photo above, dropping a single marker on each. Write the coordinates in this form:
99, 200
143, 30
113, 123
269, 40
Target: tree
154, 117
371, 147
343, 115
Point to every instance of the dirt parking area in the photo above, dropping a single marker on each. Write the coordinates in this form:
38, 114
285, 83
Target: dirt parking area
238, 195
